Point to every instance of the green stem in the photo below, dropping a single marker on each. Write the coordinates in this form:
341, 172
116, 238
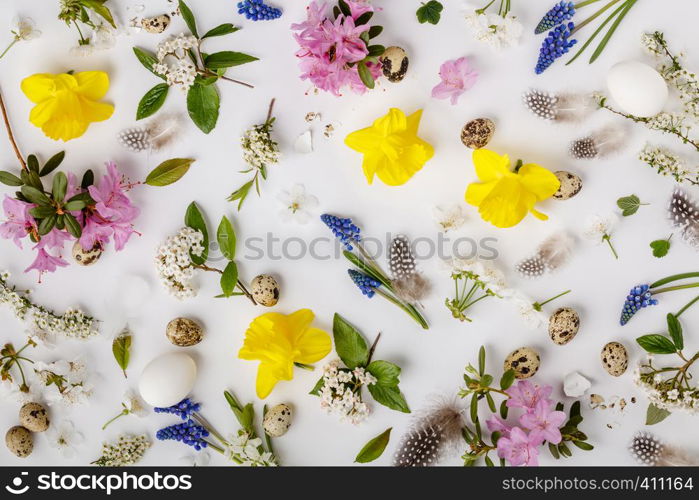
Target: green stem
608, 239
122, 414
83, 41
676, 287
304, 366
474, 301
674, 277
594, 16
583, 4
538, 305
407, 308
690, 304
481, 11
209, 428
12, 44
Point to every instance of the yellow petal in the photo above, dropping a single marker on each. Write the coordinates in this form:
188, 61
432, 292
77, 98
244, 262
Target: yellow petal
42, 112
539, 215
266, 380
95, 111
296, 323
476, 192
371, 164
507, 204
489, 165
365, 140
92, 85
312, 346
64, 129
394, 121
413, 122
39, 87
538, 180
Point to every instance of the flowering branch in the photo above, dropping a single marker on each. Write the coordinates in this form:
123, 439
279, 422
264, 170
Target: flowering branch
10, 135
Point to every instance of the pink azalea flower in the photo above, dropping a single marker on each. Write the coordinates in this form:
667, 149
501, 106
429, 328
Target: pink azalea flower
111, 202
122, 233
496, 424
95, 232
519, 448
54, 240
457, 77
526, 395
46, 263
345, 44
359, 7
543, 423
19, 222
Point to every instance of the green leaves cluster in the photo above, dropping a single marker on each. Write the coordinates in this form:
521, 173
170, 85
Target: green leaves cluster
374, 51
429, 12
671, 343
77, 11
52, 208
246, 418
203, 100
121, 349
352, 349
570, 434
660, 247
629, 205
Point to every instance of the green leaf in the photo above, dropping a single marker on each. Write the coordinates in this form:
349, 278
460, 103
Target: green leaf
504, 409
575, 409
203, 104
376, 50
612, 29
53, 163
481, 361
169, 172
564, 450
554, 451
225, 235
660, 247
488, 461
241, 193
47, 224
389, 396
227, 59
35, 196
583, 445
33, 163
675, 329
194, 219
99, 8
221, 29
363, 19
374, 448
656, 344
474, 408
88, 179
507, 379
31, 178
597, 31
189, 18
10, 179
152, 101
148, 59
41, 212
375, 31
72, 206
72, 225
229, 279
60, 184
367, 270
344, 8
365, 75
629, 204
350, 345
316, 388
491, 402
387, 374
655, 415
121, 348
429, 12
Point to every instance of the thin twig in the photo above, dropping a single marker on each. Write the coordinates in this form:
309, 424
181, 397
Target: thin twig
269, 111
373, 347
10, 134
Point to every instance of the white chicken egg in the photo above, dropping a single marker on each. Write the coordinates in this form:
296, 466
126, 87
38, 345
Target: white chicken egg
167, 379
637, 88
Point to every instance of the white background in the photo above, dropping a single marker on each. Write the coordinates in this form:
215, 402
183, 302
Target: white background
432, 361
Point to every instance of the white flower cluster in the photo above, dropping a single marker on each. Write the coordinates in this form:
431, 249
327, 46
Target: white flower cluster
659, 395
341, 392
529, 314
174, 264
42, 322
599, 227
249, 452
449, 218
497, 31
174, 62
669, 164
125, 451
65, 382
259, 150
665, 122
483, 273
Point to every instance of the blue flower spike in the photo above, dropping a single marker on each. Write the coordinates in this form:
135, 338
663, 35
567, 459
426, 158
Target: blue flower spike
343, 229
639, 297
257, 10
365, 283
559, 13
184, 409
187, 432
555, 44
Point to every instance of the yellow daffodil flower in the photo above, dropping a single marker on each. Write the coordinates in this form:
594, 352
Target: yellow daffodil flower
66, 104
504, 197
392, 150
278, 341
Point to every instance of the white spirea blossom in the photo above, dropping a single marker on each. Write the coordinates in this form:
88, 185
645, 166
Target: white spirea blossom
125, 451
259, 150
43, 322
531, 317
174, 264
483, 273
243, 449
174, 62
660, 394
23, 28
497, 31
597, 227
669, 164
65, 382
449, 218
341, 392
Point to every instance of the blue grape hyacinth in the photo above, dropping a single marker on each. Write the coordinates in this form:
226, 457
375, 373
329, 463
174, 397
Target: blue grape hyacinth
343, 229
365, 283
555, 44
559, 13
639, 297
257, 10
187, 432
183, 409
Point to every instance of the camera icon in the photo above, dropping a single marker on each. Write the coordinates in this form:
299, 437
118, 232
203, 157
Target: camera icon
16, 488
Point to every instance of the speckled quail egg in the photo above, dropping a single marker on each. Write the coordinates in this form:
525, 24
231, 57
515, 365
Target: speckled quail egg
571, 185
265, 290
477, 133
277, 420
524, 361
34, 417
184, 332
395, 64
615, 359
564, 325
86, 257
19, 441
156, 24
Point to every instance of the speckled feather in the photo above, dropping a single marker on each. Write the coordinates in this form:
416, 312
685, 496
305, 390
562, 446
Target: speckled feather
558, 107
401, 261
684, 214
430, 437
647, 449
